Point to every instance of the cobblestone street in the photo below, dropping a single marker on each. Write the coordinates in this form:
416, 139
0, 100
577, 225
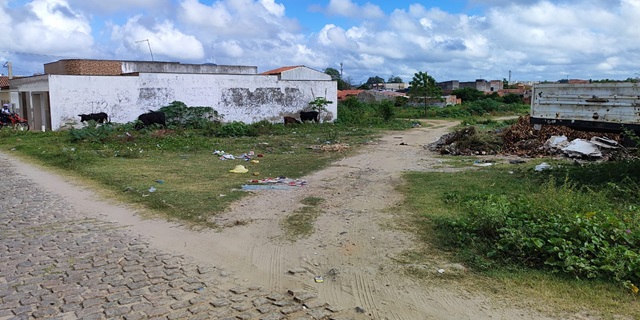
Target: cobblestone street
56, 263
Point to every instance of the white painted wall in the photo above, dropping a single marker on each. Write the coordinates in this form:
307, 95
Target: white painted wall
247, 98
304, 73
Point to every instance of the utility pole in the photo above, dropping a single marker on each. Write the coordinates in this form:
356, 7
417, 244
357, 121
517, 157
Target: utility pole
9, 67
340, 70
149, 44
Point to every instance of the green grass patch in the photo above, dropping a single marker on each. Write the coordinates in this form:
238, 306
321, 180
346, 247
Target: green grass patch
300, 223
573, 226
174, 171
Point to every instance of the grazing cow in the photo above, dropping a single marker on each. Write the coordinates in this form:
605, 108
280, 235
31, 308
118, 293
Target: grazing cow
290, 120
149, 118
99, 117
309, 116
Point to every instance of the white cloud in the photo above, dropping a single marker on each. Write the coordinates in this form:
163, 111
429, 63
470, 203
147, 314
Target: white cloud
239, 18
349, 9
164, 39
46, 27
101, 7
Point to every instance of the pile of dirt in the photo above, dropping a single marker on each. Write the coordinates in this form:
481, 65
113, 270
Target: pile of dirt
520, 139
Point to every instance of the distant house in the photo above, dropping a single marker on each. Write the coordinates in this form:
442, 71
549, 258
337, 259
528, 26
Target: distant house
480, 85
5, 96
125, 89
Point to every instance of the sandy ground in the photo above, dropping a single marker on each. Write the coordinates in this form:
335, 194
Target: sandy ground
352, 247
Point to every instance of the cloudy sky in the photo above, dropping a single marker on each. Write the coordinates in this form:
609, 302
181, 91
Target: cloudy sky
449, 39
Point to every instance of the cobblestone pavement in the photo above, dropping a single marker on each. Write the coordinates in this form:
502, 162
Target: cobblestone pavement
57, 264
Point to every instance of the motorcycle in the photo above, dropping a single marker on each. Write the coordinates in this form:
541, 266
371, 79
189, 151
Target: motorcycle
14, 121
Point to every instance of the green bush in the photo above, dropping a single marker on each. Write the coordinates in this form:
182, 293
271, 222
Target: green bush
560, 228
179, 114
92, 132
236, 129
387, 110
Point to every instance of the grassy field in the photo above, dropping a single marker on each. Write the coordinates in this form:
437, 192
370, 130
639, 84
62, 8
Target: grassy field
435, 201
176, 173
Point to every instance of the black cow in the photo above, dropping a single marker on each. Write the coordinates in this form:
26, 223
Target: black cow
309, 116
99, 117
149, 118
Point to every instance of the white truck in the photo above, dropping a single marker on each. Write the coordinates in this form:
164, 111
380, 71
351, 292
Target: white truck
605, 107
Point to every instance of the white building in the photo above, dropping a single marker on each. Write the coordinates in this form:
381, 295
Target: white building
126, 89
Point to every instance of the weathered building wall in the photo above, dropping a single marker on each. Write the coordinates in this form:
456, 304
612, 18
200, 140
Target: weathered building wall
175, 67
247, 98
304, 73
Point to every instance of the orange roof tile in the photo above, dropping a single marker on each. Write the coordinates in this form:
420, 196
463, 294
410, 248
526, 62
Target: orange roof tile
279, 70
4, 81
343, 94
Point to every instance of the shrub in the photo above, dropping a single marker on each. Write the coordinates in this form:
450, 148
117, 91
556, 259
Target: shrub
92, 132
179, 114
560, 228
236, 129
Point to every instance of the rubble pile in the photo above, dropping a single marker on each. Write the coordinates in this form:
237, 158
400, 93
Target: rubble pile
522, 140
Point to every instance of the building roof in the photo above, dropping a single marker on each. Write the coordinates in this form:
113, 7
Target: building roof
4, 81
279, 70
343, 94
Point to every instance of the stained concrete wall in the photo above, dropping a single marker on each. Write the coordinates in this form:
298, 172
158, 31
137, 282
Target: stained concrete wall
247, 98
304, 73
174, 67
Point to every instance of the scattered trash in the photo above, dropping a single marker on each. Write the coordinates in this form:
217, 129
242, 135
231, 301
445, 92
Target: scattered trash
440, 271
257, 187
517, 161
582, 148
255, 161
260, 155
281, 180
605, 142
543, 166
403, 144
360, 310
555, 142
318, 279
160, 181
239, 169
480, 163
152, 189
256, 173
339, 147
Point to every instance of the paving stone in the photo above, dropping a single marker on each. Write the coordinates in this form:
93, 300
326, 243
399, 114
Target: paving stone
58, 263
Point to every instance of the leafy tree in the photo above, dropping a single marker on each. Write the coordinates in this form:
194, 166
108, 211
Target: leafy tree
424, 86
512, 98
374, 80
393, 79
335, 75
468, 94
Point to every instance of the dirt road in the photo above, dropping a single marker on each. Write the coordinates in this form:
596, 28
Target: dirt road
352, 246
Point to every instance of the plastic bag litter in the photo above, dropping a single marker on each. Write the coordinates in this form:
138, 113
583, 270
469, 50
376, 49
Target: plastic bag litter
543, 166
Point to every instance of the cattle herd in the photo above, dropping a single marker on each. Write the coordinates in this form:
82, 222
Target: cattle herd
159, 118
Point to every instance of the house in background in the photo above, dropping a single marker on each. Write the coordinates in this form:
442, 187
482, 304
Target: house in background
126, 89
5, 96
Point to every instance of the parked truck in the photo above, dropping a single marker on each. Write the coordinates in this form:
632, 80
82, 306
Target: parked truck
604, 107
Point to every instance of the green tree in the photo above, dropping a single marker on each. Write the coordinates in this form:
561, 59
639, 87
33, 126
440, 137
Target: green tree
394, 79
335, 75
425, 87
468, 94
374, 80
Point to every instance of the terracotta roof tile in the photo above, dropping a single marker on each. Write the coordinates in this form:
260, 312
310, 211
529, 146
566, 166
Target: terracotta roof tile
279, 70
4, 81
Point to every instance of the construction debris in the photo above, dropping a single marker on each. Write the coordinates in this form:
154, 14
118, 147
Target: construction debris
522, 140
